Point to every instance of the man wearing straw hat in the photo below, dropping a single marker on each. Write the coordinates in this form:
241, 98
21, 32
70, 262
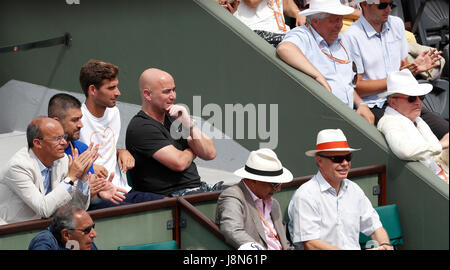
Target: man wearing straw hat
246, 212
317, 50
407, 134
329, 211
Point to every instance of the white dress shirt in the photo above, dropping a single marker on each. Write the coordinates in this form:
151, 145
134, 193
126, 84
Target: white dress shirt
317, 212
376, 55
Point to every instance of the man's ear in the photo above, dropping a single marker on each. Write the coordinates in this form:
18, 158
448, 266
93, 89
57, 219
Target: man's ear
392, 102
147, 94
37, 143
91, 90
65, 235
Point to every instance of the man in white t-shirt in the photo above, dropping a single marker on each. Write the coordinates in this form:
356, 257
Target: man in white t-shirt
101, 125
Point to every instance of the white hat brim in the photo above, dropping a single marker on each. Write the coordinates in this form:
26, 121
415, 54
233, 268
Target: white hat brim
342, 10
283, 178
416, 90
312, 153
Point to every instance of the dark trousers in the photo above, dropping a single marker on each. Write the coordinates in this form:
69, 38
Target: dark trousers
131, 197
437, 124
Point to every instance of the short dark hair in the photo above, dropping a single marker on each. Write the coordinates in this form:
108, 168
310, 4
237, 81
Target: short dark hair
34, 130
59, 104
94, 72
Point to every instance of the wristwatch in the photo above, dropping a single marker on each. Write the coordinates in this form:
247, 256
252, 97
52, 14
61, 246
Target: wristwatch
360, 104
68, 181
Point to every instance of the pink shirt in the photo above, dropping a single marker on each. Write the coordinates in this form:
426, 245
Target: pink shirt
269, 229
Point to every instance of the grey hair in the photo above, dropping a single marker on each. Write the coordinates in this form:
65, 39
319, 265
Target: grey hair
64, 218
318, 16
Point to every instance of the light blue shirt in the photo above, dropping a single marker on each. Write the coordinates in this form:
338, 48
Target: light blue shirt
317, 212
46, 175
376, 55
339, 76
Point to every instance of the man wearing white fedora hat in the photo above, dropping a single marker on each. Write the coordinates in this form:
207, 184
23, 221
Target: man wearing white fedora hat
317, 50
246, 212
329, 211
378, 46
408, 136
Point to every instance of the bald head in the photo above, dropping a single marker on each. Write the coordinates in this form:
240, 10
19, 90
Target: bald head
153, 77
39, 127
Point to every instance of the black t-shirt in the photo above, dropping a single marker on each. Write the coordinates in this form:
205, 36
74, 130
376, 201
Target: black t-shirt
144, 137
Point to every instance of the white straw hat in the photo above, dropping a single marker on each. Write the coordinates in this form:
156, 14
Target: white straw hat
327, 6
263, 165
330, 140
403, 82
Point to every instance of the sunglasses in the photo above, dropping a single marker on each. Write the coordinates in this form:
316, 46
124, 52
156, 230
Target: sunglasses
86, 230
338, 159
385, 5
355, 78
411, 99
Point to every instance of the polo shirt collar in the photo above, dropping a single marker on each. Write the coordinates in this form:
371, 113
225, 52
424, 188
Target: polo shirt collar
325, 186
368, 28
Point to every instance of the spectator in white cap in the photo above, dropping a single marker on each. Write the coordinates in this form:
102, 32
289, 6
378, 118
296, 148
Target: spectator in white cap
377, 44
408, 136
317, 50
329, 211
246, 212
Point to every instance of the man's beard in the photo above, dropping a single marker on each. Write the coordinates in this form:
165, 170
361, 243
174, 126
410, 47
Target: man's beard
71, 138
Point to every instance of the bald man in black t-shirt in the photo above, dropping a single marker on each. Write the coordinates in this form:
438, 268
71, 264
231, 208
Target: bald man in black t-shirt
164, 140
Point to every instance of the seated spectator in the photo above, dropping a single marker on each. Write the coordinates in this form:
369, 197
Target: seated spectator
408, 136
316, 49
415, 49
265, 17
246, 212
385, 36
329, 211
165, 155
40, 178
101, 126
67, 110
72, 228
230, 5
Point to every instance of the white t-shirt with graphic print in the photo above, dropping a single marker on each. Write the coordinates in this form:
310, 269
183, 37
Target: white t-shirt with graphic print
104, 131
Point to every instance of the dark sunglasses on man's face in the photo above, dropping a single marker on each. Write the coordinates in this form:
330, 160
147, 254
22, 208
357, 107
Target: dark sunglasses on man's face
412, 99
385, 5
86, 230
338, 159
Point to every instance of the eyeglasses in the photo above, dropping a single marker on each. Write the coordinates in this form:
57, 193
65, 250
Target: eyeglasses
411, 99
355, 78
57, 139
385, 5
338, 159
86, 230
275, 185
